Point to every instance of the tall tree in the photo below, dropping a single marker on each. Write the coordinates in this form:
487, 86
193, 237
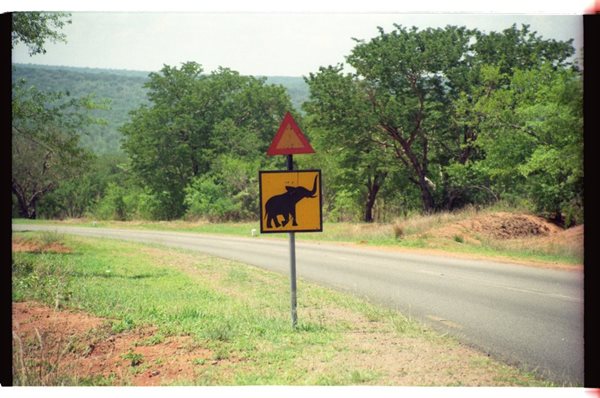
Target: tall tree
506, 65
45, 126
419, 88
45, 143
532, 134
192, 119
409, 78
346, 132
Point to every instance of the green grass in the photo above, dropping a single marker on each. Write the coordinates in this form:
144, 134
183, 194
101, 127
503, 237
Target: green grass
239, 313
43, 277
134, 358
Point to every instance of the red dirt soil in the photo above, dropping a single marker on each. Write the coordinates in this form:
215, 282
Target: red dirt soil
22, 245
82, 346
500, 225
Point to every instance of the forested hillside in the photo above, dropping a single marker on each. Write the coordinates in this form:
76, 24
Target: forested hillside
124, 90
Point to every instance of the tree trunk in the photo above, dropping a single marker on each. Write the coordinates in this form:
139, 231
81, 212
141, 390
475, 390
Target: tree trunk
373, 186
426, 196
27, 203
411, 160
26, 210
369, 206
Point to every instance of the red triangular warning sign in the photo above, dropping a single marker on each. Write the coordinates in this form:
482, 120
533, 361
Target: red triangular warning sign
289, 139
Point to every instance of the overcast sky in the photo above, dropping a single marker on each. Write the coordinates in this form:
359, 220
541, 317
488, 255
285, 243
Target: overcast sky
252, 43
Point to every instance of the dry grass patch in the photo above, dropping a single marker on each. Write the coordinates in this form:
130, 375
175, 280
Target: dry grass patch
374, 353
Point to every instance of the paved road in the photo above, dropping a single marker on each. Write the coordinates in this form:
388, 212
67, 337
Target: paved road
525, 316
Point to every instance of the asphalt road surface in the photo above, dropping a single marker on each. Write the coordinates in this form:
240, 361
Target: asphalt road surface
524, 316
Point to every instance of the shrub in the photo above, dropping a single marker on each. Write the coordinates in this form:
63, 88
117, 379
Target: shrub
207, 199
345, 207
112, 205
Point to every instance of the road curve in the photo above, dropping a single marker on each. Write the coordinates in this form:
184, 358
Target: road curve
525, 316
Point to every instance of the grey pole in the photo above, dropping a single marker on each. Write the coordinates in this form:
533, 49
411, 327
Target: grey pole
293, 277
290, 167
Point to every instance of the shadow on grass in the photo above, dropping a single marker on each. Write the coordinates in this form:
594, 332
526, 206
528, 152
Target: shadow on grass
113, 275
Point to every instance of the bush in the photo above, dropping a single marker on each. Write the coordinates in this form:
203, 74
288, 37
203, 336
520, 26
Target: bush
145, 205
206, 199
112, 205
345, 208
229, 193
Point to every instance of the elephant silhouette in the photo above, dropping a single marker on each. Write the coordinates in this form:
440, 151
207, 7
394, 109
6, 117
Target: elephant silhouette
285, 204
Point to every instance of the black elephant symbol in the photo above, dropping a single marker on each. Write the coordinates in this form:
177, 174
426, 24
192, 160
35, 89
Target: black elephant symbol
285, 204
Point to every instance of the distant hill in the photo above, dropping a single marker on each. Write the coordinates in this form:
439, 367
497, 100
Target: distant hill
295, 86
125, 91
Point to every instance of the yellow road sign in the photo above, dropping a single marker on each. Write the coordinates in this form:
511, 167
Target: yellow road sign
290, 201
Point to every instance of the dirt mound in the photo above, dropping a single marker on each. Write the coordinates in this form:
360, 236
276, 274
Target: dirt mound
573, 234
24, 245
71, 346
572, 237
512, 226
499, 225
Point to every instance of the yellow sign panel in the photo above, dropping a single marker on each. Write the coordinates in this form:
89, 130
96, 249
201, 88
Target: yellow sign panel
290, 201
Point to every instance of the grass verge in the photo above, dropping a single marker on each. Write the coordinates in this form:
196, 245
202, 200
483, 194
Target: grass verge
417, 233
193, 319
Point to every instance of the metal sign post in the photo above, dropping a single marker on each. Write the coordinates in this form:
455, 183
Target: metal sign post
290, 167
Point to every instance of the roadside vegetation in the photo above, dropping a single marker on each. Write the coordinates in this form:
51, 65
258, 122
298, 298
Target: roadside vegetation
497, 232
102, 312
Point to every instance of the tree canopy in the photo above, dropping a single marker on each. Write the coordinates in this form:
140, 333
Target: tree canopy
34, 29
192, 121
433, 98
